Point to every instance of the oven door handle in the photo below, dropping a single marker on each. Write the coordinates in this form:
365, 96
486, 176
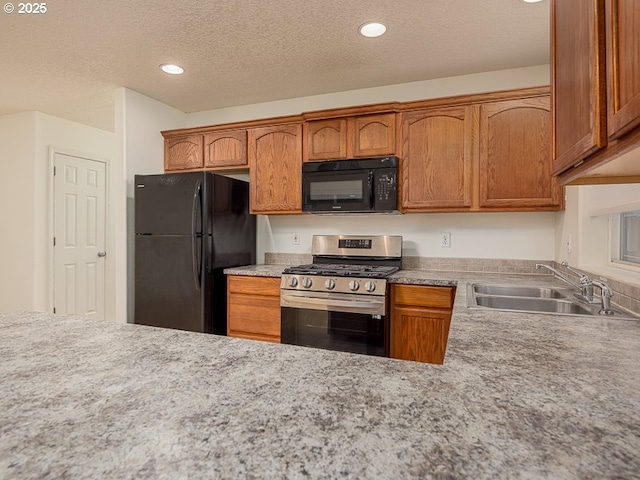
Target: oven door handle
374, 307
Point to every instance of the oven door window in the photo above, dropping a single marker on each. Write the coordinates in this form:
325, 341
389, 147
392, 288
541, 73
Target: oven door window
337, 191
346, 332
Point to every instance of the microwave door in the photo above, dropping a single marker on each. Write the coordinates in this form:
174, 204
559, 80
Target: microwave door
338, 191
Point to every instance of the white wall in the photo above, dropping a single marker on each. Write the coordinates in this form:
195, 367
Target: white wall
140, 124
67, 137
442, 87
17, 166
528, 236
499, 235
25, 190
586, 221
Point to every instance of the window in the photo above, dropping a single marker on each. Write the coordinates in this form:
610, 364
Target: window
630, 237
625, 245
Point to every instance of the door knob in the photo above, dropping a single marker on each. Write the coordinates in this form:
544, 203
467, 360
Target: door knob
102, 254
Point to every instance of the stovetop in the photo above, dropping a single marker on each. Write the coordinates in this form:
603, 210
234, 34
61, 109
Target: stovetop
343, 270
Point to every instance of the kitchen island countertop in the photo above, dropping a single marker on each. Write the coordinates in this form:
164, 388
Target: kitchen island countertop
519, 396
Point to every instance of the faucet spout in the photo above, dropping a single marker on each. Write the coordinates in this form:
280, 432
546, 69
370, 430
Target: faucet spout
559, 274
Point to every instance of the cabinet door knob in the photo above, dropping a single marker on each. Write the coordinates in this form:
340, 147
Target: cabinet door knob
102, 254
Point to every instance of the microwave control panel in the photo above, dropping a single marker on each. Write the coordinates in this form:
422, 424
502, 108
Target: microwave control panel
386, 189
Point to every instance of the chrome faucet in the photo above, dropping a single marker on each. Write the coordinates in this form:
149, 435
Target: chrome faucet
605, 295
585, 286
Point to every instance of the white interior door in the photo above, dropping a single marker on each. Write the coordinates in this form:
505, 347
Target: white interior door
80, 236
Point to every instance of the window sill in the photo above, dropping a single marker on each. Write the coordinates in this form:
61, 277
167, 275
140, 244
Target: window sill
609, 272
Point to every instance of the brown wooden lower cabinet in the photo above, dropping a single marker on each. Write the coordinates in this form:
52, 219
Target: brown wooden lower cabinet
419, 324
253, 308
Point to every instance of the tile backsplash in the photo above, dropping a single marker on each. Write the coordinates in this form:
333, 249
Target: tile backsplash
484, 265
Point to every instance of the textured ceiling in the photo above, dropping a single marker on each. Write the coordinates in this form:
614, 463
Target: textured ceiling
68, 61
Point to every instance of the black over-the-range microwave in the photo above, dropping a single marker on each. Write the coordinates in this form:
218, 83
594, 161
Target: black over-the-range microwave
355, 185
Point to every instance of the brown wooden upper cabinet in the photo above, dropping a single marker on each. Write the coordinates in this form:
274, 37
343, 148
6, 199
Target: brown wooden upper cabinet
595, 83
275, 169
326, 139
225, 149
183, 152
515, 155
578, 88
493, 155
623, 65
349, 137
437, 155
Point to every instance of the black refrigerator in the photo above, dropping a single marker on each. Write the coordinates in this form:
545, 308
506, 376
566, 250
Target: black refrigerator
188, 228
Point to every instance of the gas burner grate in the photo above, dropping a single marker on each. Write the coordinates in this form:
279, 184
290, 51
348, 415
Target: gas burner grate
343, 270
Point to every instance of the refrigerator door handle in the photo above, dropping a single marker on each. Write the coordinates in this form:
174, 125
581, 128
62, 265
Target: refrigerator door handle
195, 248
196, 211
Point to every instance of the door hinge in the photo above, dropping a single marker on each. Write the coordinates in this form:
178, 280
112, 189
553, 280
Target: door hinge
54, 309
54, 170
54, 241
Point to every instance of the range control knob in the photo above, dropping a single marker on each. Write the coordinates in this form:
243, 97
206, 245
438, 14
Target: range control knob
306, 282
354, 285
293, 281
330, 284
370, 286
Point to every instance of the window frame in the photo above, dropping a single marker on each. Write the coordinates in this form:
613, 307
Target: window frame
615, 243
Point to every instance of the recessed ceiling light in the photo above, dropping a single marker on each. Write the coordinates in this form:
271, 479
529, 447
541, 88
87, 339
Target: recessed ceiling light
531, 1
172, 69
372, 29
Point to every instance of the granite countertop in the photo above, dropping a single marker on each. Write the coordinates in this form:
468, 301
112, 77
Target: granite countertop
519, 396
420, 277
263, 270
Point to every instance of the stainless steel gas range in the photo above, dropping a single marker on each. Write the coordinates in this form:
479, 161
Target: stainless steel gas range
340, 301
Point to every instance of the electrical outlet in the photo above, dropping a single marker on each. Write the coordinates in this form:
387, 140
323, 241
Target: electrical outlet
295, 238
445, 239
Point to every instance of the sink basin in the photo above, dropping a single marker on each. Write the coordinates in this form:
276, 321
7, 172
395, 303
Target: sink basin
533, 299
523, 291
546, 305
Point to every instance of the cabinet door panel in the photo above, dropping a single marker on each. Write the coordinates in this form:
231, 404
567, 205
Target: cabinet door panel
437, 153
275, 169
578, 71
623, 65
183, 153
225, 149
327, 139
374, 135
419, 334
515, 163
254, 315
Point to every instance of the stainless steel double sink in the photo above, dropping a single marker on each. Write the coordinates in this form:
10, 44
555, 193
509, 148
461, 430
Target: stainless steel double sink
533, 299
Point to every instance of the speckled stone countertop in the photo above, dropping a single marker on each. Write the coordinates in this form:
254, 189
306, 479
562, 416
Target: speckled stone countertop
419, 277
519, 396
264, 270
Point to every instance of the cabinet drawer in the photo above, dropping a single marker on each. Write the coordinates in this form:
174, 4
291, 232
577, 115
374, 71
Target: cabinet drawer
255, 285
423, 296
